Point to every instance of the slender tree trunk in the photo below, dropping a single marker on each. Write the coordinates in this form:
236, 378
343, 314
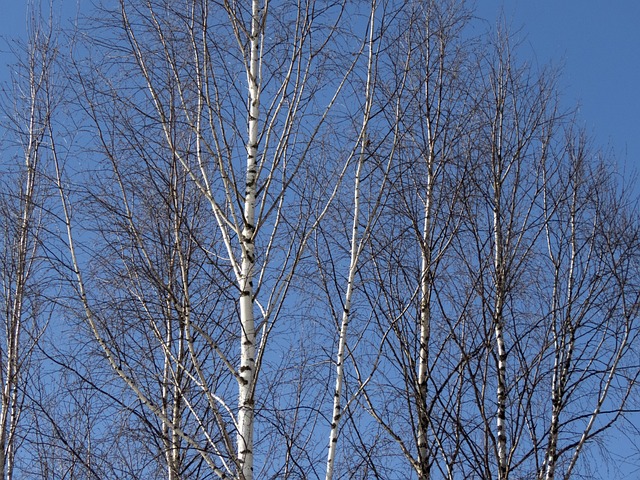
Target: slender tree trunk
501, 419
355, 249
425, 324
23, 257
564, 341
246, 378
342, 342
500, 251
498, 323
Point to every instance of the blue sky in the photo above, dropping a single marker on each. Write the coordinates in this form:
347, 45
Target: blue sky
596, 43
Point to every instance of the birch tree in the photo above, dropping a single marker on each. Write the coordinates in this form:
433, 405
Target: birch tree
26, 108
516, 222
175, 122
355, 248
593, 303
518, 114
426, 77
346, 243
319, 239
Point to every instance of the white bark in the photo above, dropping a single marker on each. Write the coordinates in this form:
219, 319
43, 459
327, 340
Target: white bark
12, 356
246, 381
355, 248
563, 343
31, 93
425, 323
342, 342
501, 352
499, 174
237, 211
427, 385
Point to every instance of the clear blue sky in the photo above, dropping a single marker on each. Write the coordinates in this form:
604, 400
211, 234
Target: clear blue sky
597, 43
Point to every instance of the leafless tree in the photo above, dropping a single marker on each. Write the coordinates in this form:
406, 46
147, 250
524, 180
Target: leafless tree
515, 115
427, 77
312, 239
26, 108
592, 304
183, 276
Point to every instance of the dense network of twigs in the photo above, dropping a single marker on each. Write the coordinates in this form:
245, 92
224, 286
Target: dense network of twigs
298, 240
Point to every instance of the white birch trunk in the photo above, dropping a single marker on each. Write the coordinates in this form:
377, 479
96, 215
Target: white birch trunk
501, 419
9, 413
499, 268
246, 377
355, 249
498, 320
10, 401
23, 255
340, 357
425, 323
563, 343
426, 275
